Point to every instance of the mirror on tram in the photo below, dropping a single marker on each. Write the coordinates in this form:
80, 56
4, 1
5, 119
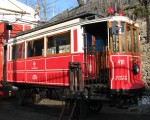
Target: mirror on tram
115, 27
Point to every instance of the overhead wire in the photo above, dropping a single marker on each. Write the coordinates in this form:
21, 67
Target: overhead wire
16, 5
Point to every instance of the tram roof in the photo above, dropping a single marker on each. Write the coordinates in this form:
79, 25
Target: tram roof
83, 12
84, 22
52, 23
77, 12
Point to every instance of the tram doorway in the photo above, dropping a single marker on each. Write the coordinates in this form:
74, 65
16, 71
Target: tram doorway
95, 44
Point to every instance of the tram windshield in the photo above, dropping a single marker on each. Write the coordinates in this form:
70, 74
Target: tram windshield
124, 38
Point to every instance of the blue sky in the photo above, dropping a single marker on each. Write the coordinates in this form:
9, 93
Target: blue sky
64, 4
60, 5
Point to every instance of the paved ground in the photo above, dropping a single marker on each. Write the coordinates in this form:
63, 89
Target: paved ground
9, 110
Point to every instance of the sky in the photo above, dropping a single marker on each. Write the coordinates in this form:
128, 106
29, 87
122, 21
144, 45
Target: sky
58, 5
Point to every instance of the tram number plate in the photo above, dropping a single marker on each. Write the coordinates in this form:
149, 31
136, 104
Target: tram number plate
123, 77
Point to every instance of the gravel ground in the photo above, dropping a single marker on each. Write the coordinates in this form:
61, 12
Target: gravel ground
50, 110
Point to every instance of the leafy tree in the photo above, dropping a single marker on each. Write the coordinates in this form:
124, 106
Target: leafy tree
143, 11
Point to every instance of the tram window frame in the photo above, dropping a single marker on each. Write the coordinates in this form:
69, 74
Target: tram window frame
132, 37
128, 46
17, 52
114, 33
115, 43
59, 44
35, 49
123, 36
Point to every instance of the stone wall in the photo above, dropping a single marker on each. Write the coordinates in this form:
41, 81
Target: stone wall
145, 50
145, 47
145, 54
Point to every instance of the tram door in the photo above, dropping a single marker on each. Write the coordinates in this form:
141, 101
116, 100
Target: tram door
95, 52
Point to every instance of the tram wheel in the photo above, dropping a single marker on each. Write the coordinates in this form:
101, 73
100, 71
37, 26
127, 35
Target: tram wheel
36, 97
122, 104
20, 97
95, 106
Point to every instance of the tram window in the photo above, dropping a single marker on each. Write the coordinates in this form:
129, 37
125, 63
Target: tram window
129, 39
135, 40
115, 43
18, 51
59, 43
35, 48
115, 37
99, 44
123, 36
89, 42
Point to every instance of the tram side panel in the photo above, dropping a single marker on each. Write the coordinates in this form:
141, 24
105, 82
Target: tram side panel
35, 71
123, 76
50, 70
135, 72
119, 72
16, 71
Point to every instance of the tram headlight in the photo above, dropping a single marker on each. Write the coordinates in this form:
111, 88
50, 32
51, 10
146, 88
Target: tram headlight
136, 69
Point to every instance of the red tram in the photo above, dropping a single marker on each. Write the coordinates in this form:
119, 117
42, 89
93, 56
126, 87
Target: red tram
98, 56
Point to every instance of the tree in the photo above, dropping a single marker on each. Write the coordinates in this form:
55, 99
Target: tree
44, 8
145, 12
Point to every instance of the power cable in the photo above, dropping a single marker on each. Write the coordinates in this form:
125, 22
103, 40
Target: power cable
16, 5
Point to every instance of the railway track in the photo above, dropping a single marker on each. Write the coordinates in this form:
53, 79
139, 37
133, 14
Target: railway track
50, 110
